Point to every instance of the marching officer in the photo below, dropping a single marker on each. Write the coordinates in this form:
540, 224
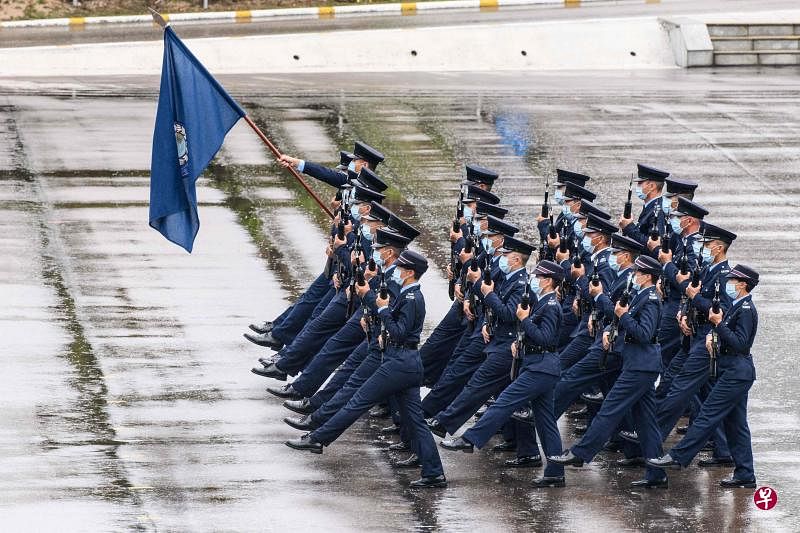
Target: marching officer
634, 390
726, 405
534, 385
399, 374
649, 185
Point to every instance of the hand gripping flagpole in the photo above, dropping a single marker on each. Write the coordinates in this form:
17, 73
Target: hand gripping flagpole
157, 18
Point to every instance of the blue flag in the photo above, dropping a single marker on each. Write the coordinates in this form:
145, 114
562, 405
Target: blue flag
194, 115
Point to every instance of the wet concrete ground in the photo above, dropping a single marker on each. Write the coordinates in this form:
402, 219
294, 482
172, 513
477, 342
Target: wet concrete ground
128, 398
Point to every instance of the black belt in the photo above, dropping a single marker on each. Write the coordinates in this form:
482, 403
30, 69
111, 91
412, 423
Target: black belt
726, 351
536, 350
630, 339
407, 345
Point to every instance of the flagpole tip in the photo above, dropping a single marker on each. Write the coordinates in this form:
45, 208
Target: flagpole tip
157, 18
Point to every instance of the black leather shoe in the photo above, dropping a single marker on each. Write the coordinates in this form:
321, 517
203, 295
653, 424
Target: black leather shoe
716, 461
411, 462
524, 415
566, 459
270, 371
612, 446
505, 446
303, 423
580, 429
302, 407
266, 340
665, 461
437, 428
547, 482
394, 429
262, 328
266, 361
528, 461
457, 443
580, 414
430, 482
592, 397
305, 443
647, 484
380, 411
633, 462
629, 436
681, 430
400, 447
286, 392
733, 483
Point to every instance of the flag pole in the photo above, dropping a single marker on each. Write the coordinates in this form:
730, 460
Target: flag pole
157, 18
292, 170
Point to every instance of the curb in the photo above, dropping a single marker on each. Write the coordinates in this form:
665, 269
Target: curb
405, 8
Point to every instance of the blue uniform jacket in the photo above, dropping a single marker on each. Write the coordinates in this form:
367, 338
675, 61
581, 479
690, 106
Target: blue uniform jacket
702, 301
541, 336
638, 330
503, 302
325, 174
671, 269
607, 278
737, 331
639, 230
371, 295
404, 317
606, 300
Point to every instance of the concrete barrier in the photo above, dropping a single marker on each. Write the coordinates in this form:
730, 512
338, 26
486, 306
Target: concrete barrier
627, 43
304, 12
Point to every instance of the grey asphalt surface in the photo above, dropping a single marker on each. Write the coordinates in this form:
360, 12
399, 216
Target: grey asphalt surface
11, 37
128, 398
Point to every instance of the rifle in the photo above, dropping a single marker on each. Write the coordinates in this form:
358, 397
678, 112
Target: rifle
655, 233
713, 355
340, 235
471, 298
594, 317
626, 213
666, 239
356, 275
520, 341
451, 286
383, 336
367, 313
546, 203
487, 310
613, 333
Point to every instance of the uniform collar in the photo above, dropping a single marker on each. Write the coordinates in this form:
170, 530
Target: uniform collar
594, 255
650, 202
409, 287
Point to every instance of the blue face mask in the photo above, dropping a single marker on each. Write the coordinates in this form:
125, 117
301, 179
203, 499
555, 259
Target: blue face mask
706, 255
487, 245
636, 285
567, 212
503, 264
640, 193
578, 228
376, 256
351, 166
559, 197
476, 228
612, 262
696, 247
467, 213
396, 277
354, 212
666, 205
675, 222
535, 287
366, 232
730, 290
587, 244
